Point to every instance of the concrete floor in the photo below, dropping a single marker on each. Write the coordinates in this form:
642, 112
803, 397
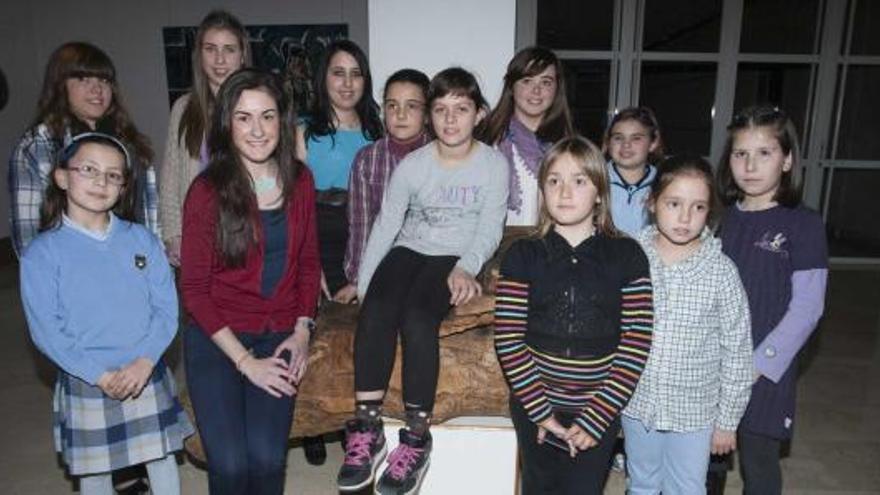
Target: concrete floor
836, 447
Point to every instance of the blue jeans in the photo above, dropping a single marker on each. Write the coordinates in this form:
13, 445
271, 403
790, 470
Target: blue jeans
243, 429
665, 461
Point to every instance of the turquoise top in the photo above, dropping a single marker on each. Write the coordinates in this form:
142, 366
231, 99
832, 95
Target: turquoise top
330, 157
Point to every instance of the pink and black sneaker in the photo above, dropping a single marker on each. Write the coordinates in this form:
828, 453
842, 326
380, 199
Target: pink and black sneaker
407, 465
365, 449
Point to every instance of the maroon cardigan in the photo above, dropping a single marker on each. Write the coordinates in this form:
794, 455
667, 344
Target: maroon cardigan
216, 296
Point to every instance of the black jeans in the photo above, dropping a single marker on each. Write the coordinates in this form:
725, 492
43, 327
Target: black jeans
408, 293
243, 429
759, 463
547, 470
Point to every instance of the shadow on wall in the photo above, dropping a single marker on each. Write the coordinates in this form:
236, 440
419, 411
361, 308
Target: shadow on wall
4, 91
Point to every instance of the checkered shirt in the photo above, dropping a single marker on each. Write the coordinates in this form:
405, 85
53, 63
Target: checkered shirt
699, 371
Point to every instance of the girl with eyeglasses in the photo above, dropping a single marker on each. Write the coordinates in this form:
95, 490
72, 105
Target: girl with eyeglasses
101, 304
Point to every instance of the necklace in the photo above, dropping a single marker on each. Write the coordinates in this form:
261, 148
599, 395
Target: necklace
264, 184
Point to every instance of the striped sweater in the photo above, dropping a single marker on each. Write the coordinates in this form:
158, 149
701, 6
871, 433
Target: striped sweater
596, 387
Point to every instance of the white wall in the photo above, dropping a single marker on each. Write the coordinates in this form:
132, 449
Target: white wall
131, 33
431, 35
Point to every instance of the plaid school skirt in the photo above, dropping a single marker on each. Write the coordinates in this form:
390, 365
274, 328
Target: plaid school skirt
97, 434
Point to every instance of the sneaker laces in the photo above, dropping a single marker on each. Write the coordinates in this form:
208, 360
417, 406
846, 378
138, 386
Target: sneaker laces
402, 460
357, 450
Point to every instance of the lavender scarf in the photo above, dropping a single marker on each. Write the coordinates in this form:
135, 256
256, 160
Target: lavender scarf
529, 148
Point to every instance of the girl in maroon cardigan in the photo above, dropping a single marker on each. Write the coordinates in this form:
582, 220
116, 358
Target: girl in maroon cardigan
250, 278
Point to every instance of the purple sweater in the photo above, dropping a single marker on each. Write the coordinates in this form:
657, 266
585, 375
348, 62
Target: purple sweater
782, 257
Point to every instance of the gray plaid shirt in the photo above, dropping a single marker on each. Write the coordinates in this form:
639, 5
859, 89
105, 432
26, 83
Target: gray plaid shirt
699, 372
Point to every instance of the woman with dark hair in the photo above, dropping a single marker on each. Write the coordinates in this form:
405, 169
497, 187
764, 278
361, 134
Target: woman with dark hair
221, 48
344, 118
532, 114
250, 280
80, 93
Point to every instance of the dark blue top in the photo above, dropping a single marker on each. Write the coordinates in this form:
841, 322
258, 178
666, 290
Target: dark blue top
768, 247
274, 224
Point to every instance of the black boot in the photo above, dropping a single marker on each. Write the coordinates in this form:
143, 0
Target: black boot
316, 452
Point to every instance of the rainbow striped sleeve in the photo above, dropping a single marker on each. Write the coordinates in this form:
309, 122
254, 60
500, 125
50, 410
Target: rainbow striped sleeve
517, 363
636, 322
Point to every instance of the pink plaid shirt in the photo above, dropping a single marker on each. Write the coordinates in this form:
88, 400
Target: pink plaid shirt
369, 177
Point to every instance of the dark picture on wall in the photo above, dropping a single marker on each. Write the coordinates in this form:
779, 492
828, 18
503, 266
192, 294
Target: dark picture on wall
290, 50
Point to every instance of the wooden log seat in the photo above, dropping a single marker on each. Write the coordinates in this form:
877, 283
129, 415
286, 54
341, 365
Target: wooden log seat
470, 382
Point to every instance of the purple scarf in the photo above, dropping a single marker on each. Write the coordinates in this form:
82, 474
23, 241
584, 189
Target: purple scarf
530, 149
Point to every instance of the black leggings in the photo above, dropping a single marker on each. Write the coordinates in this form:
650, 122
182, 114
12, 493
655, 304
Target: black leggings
409, 294
759, 463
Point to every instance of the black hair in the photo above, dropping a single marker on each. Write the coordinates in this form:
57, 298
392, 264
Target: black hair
412, 76
322, 115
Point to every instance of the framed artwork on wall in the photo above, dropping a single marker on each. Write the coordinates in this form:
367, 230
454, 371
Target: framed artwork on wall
290, 50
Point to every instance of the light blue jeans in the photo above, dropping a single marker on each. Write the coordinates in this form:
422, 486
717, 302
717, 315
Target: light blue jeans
664, 461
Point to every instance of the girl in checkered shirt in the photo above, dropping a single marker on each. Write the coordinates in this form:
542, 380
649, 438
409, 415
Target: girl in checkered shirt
696, 383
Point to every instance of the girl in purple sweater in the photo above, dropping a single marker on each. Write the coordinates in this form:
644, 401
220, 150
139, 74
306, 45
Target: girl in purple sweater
780, 250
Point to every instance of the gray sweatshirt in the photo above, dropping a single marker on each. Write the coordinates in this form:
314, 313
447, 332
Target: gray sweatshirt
439, 210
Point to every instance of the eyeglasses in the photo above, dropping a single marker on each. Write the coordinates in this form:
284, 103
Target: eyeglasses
89, 172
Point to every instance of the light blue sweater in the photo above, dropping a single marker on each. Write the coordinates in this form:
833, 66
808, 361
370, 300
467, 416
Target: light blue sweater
97, 302
629, 208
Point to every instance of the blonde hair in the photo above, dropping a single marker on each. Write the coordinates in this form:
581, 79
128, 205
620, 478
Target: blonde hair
592, 163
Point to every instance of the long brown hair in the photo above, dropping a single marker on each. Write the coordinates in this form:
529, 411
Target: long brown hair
55, 200
236, 202
556, 123
197, 114
589, 157
78, 59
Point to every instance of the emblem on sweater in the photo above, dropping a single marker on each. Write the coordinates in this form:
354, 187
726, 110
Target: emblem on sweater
775, 243
140, 261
